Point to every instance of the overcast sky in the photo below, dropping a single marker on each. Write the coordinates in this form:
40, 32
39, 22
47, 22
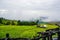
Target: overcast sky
30, 9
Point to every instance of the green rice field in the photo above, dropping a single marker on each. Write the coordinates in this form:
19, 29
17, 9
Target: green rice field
22, 31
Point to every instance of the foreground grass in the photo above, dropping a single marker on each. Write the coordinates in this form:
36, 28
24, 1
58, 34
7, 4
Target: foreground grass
22, 31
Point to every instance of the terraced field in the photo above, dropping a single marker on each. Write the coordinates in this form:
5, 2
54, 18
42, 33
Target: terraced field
22, 31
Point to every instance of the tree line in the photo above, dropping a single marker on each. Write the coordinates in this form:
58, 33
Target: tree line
16, 22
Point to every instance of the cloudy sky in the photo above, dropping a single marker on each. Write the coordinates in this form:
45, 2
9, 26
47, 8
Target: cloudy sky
30, 9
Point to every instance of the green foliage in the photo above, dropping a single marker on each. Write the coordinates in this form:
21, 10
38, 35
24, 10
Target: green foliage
18, 22
26, 22
12, 23
1, 20
8, 23
37, 21
15, 22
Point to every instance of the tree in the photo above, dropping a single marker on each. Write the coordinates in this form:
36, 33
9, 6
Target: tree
18, 22
40, 20
1, 20
13, 23
8, 23
38, 24
37, 21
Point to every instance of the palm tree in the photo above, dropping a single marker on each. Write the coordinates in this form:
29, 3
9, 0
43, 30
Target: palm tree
39, 21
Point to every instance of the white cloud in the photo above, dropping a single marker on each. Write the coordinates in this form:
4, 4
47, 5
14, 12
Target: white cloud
27, 9
30, 4
3, 11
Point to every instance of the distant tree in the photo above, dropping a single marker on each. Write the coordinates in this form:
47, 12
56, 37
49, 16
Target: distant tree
18, 22
12, 23
1, 20
8, 23
37, 21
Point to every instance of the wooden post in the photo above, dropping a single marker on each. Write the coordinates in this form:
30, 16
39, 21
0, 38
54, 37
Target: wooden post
49, 37
58, 35
43, 36
7, 36
47, 34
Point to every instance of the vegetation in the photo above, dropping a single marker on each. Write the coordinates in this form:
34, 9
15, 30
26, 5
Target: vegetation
16, 22
22, 31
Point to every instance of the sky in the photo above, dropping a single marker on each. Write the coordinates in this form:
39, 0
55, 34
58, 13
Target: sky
30, 9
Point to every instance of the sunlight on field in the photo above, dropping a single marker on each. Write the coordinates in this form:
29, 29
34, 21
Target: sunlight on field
22, 31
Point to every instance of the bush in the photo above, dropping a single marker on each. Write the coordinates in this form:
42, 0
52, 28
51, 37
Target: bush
8, 23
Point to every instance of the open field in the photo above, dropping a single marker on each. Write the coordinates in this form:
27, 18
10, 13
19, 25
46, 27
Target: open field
22, 31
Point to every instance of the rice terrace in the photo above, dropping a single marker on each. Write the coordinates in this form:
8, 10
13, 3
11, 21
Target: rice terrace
19, 29
22, 31
29, 19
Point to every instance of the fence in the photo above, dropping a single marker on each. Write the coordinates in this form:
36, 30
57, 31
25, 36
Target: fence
48, 34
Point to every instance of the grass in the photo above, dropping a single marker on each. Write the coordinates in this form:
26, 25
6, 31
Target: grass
22, 31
